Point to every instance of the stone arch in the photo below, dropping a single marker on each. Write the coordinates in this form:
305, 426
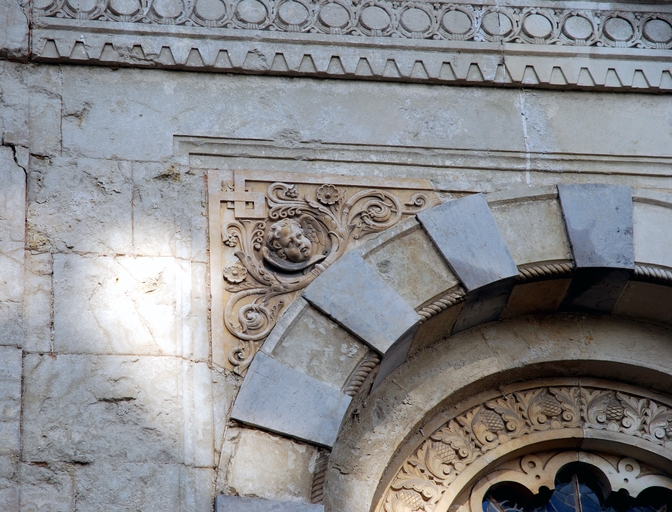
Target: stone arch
455, 269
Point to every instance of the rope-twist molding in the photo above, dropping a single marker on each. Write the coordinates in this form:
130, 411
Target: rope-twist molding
448, 300
370, 361
544, 271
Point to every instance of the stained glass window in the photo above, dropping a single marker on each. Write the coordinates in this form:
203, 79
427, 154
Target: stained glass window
577, 489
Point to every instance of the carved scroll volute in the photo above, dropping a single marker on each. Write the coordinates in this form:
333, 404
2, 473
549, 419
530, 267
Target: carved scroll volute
303, 231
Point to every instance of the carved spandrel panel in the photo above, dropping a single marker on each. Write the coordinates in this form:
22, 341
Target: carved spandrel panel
271, 235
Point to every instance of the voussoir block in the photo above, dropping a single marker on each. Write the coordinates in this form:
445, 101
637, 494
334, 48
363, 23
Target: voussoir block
467, 235
281, 399
599, 226
354, 295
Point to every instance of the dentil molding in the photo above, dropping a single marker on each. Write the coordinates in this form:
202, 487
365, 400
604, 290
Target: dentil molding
532, 43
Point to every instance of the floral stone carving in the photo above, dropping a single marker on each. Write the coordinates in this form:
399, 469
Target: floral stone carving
274, 244
433, 473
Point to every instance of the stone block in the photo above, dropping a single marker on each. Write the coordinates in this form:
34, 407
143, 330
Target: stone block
533, 228
271, 467
169, 211
595, 289
599, 224
399, 262
82, 205
14, 30
44, 124
281, 399
11, 271
241, 504
9, 498
37, 303
484, 305
395, 356
47, 487
225, 385
436, 328
192, 309
197, 427
123, 486
196, 490
646, 301
652, 237
115, 305
12, 197
319, 348
536, 297
603, 124
467, 235
11, 293
119, 408
431, 118
352, 293
10, 402
288, 318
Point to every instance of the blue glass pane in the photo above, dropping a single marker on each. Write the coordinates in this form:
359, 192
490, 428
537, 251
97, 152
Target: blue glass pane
578, 494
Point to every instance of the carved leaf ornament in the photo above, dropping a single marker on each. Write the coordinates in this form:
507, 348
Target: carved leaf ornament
426, 476
302, 236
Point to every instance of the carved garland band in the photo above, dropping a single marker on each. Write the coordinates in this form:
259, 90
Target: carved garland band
445, 463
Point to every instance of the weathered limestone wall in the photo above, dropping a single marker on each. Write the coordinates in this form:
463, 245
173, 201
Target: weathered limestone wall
110, 397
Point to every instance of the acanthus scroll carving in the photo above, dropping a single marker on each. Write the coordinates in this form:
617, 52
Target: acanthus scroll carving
277, 254
427, 475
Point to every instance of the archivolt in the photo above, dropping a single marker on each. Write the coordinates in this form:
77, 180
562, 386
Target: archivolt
608, 415
589, 249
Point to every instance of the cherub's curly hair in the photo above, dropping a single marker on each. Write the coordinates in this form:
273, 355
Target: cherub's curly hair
275, 232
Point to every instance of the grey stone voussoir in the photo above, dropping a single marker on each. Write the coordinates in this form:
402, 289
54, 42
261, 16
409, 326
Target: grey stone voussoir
280, 399
240, 504
354, 295
467, 235
599, 226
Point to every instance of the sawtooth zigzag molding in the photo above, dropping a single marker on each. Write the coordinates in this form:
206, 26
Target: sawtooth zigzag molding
538, 44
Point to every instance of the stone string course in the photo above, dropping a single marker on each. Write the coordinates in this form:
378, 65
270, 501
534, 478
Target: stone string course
411, 20
562, 46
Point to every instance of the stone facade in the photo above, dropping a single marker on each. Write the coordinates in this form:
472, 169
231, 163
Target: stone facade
484, 187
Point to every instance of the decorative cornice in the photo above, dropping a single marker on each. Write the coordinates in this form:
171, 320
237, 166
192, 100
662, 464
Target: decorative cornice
558, 44
438, 463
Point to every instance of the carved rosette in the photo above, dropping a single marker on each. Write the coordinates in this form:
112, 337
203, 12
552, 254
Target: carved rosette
427, 475
304, 230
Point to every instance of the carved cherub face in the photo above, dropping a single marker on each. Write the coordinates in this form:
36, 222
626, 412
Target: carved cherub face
287, 239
